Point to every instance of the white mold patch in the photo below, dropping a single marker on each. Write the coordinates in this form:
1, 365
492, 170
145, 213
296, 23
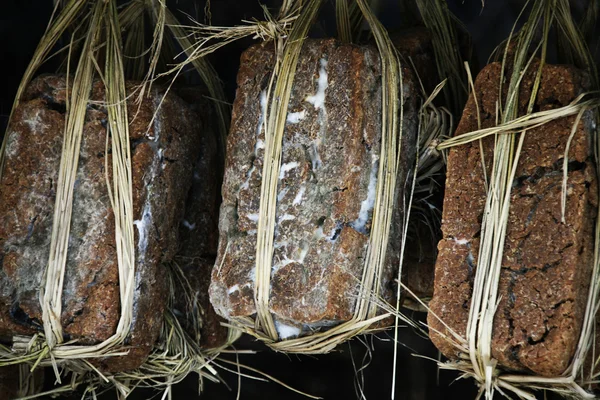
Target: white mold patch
246, 183
188, 225
12, 145
319, 234
143, 226
35, 123
318, 99
299, 195
233, 289
366, 207
286, 217
461, 242
296, 117
331, 238
285, 168
286, 331
260, 144
263, 111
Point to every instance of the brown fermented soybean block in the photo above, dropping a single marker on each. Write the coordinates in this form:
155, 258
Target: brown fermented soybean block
547, 264
326, 186
162, 171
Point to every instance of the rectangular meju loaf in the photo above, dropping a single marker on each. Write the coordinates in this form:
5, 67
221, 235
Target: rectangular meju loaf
162, 157
547, 264
326, 189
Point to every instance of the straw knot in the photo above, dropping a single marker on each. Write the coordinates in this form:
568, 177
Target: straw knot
270, 30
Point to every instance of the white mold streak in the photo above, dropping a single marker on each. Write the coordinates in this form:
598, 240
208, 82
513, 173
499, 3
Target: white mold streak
263, 112
143, 226
299, 195
260, 144
35, 124
287, 167
144, 223
318, 99
233, 289
246, 183
367, 205
286, 217
296, 117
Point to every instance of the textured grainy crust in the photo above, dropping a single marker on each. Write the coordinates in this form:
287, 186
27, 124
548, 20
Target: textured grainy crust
198, 233
326, 188
162, 169
547, 264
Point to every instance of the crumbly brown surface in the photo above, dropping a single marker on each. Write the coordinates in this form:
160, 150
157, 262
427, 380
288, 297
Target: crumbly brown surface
547, 264
162, 160
326, 186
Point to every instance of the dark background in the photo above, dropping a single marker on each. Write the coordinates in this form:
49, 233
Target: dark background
332, 376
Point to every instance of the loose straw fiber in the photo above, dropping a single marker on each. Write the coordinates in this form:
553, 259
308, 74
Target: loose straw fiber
509, 136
